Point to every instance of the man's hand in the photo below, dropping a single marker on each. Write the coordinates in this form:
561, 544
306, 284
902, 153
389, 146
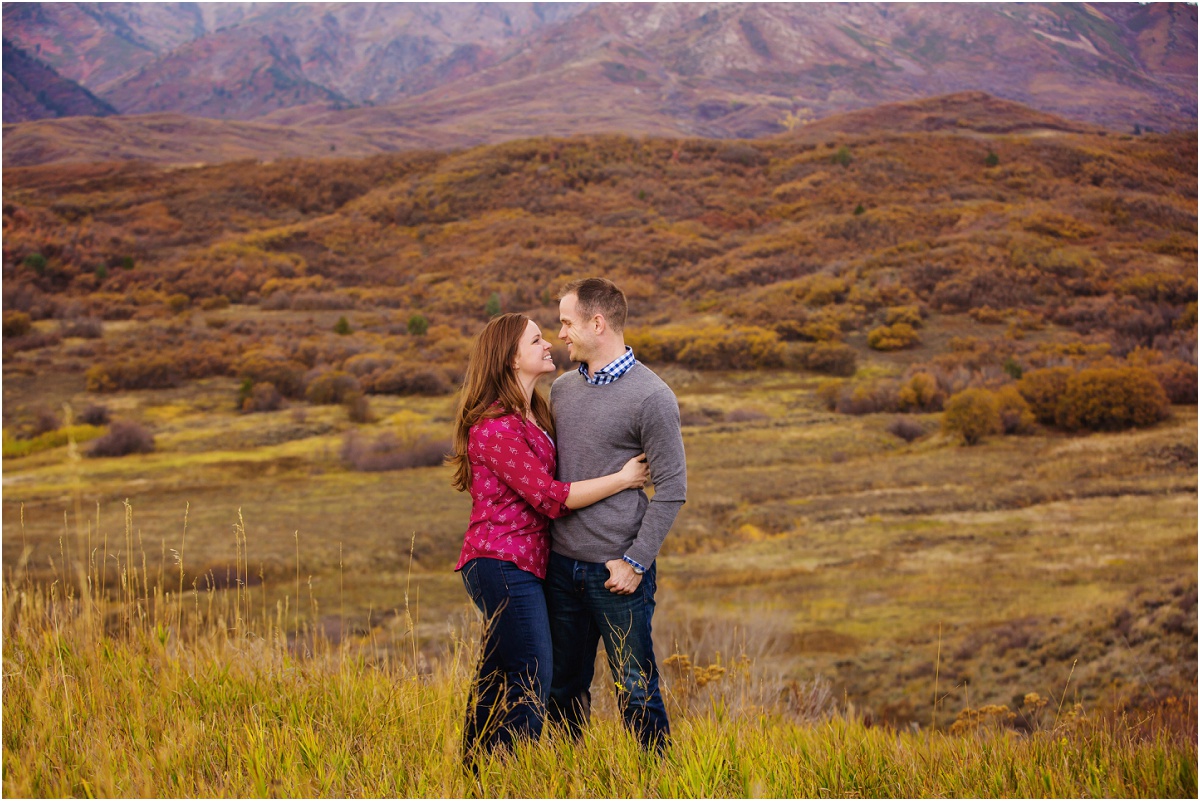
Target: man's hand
622, 579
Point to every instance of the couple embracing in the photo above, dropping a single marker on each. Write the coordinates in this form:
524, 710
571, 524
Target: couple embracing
560, 550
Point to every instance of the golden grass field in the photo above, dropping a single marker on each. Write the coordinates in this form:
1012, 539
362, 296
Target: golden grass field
824, 578
819, 543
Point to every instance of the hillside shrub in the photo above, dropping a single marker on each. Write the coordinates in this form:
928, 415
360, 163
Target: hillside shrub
262, 397
418, 325
16, 324
716, 348
145, 372
1112, 399
409, 379
358, 408
830, 358
330, 386
123, 438
869, 397
909, 315
1178, 379
920, 393
1043, 389
342, 326
95, 414
391, 452
1015, 415
81, 327
893, 337
178, 302
287, 375
906, 428
972, 415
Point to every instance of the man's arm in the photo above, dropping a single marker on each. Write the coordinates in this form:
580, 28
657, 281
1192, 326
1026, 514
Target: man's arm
662, 440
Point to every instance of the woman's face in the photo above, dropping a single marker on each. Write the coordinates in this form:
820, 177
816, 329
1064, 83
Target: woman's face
533, 353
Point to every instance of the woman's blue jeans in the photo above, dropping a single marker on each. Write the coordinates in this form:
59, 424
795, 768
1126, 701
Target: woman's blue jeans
508, 697
582, 613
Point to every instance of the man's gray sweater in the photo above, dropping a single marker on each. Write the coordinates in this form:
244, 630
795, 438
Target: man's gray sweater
599, 429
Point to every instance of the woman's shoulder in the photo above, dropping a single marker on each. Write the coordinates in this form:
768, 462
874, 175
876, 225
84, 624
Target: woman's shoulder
489, 426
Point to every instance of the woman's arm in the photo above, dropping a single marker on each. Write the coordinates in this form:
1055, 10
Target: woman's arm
632, 476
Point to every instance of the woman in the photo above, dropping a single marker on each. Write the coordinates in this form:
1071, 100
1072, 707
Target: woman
504, 455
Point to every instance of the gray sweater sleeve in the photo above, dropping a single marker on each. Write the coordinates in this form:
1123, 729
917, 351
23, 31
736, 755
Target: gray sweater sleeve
662, 440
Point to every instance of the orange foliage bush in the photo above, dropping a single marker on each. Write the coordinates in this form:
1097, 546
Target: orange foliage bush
893, 337
972, 415
1109, 399
1043, 389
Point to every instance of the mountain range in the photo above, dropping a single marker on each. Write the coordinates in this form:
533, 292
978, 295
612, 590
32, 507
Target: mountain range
365, 77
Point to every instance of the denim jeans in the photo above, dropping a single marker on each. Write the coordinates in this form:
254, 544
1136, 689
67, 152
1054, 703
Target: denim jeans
508, 697
582, 613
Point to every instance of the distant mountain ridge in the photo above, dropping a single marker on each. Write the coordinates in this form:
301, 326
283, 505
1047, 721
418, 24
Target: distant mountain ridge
704, 69
34, 91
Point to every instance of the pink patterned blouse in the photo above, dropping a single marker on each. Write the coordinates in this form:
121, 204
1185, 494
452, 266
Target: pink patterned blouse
514, 493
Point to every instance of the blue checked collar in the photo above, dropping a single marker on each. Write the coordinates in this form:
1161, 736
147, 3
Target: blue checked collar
611, 371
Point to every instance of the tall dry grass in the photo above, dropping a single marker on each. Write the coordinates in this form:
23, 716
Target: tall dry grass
126, 682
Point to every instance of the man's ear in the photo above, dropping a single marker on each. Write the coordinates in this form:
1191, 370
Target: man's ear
599, 324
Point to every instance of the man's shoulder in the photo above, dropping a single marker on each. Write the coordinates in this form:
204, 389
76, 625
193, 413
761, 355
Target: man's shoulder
648, 380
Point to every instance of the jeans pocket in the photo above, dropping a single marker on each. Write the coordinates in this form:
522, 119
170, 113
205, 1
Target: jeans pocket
471, 582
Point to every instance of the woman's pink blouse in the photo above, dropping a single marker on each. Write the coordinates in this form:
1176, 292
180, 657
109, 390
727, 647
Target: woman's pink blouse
513, 492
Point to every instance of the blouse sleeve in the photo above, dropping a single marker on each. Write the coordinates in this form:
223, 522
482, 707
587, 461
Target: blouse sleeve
506, 453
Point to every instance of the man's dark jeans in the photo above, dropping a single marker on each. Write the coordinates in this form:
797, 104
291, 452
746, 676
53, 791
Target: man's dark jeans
582, 612
508, 699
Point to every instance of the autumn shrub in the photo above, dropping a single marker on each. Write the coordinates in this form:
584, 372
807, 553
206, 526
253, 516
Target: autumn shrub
215, 303
262, 397
409, 379
741, 348
358, 408
1015, 415
972, 415
124, 437
95, 414
920, 393
16, 324
389, 451
830, 358
893, 337
178, 302
1111, 399
906, 428
746, 414
330, 386
908, 315
81, 327
1178, 379
287, 375
868, 397
1043, 389
139, 372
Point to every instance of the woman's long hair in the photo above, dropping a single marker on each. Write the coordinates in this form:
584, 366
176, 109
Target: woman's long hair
491, 377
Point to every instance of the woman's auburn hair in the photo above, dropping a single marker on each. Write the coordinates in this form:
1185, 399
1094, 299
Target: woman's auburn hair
490, 389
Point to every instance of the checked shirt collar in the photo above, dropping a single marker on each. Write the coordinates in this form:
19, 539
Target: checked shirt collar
611, 371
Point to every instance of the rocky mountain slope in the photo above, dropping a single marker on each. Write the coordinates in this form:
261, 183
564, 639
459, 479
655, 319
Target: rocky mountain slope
34, 91
467, 73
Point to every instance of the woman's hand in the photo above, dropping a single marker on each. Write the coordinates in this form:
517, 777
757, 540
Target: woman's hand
636, 472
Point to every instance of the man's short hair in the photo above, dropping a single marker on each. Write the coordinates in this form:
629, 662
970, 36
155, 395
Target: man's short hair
599, 296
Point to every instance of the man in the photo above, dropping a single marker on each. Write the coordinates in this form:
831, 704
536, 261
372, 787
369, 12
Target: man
600, 583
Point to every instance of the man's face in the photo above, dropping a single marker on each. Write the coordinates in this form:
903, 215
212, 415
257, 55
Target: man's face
579, 334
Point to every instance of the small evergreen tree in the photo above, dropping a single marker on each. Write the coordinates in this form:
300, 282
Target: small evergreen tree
493, 305
417, 324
